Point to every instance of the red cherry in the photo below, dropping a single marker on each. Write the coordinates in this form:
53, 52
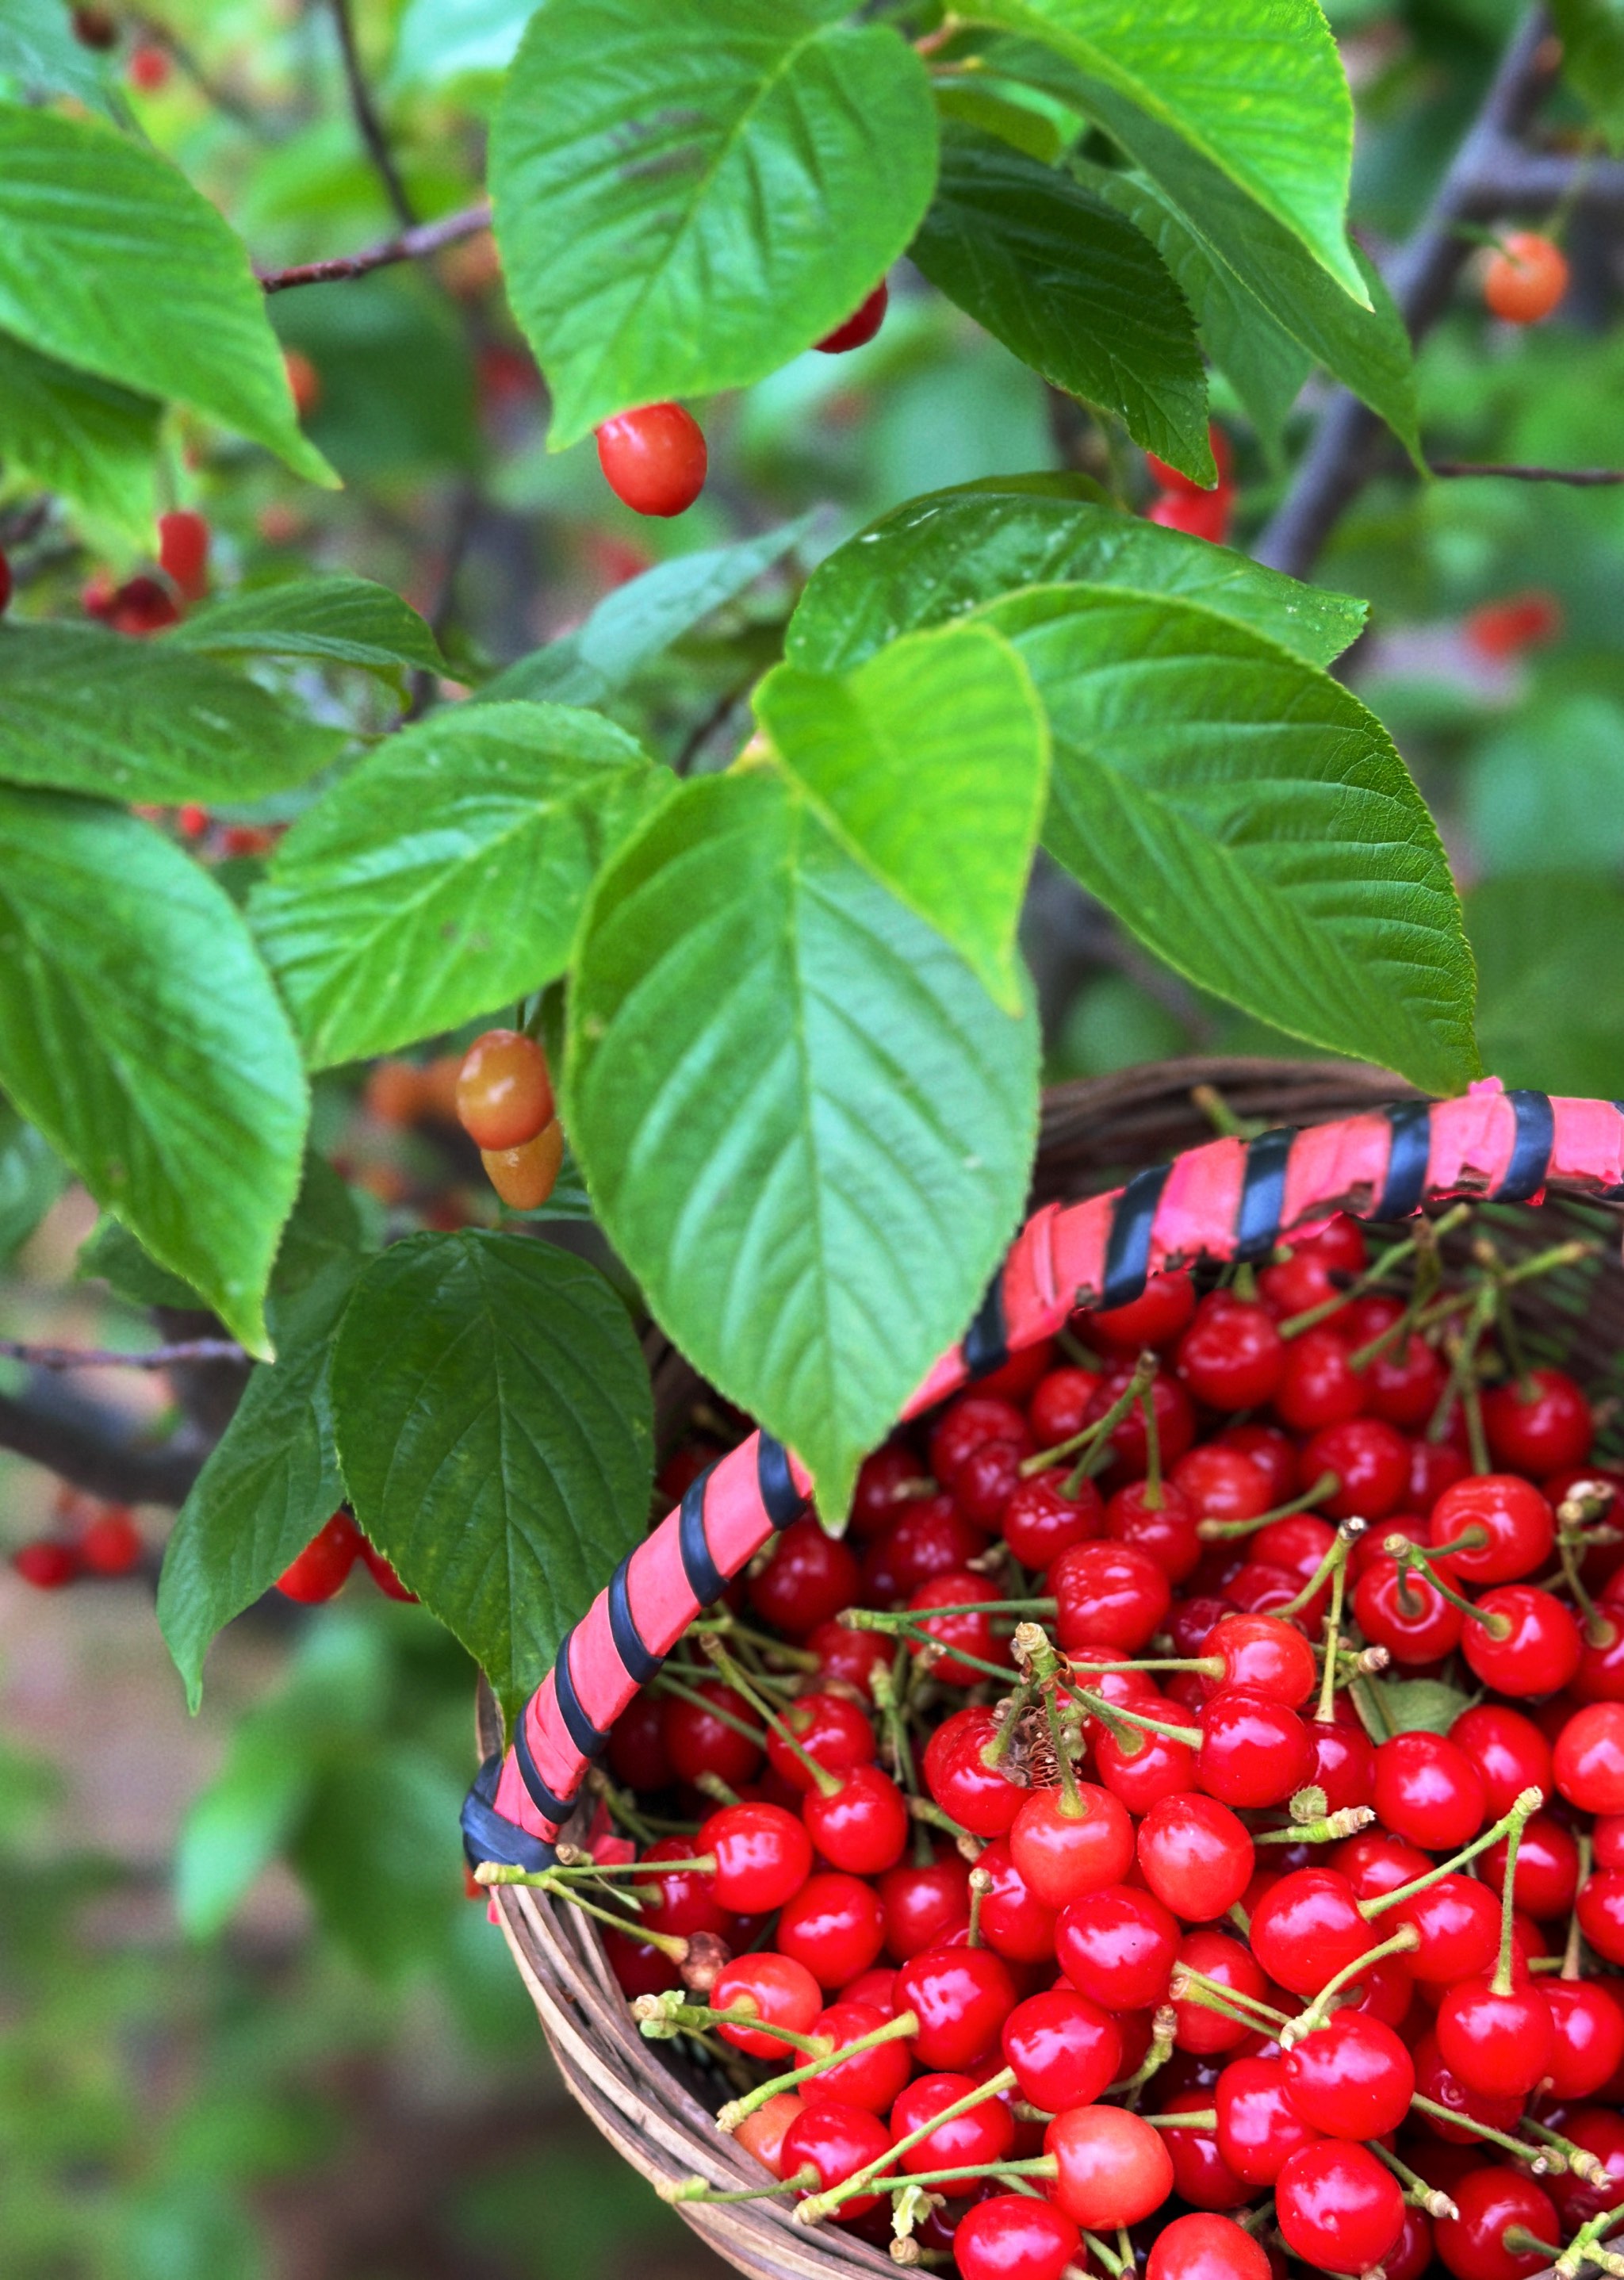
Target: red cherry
762, 1854
956, 1636
697, 1742
1254, 1752
1197, 1858
886, 1480
504, 1090
1144, 1770
383, 1575
1166, 1531
1337, 2207
1270, 1450
636, 1746
1062, 1855
832, 2143
111, 1544
1265, 1656
926, 1906
1171, 478
1371, 1462
1064, 2049
1597, 2130
1345, 1764
1588, 1759
1060, 1403
986, 1481
808, 1578
1435, 1466
1351, 2077
1200, 2174
1539, 1425
1205, 2246
864, 1827
1588, 2035
1013, 2237
1108, 1595
831, 1729
684, 1901
762, 2133
1459, 1923
1232, 1356
1404, 1383
1307, 1928
1221, 1482
1258, 2125
640, 1967
1318, 1385
1155, 1318
1499, 2046
1514, 1522
1111, 2168
966, 1424
1224, 1960
974, 2139
46, 1564
653, 458
1198, 514
1402, 1610
836, 1926
1433, 2081
1042, 1518
1500, 629
183, 551
929, 1537
1547, 1867
1175, 1424
851, 1657
1012, 1920
873, 2078
860, 327
1293, 1285
1018, 1378
320, 1568
781, 1993
1487, 2203
961, 1996
1298, 1544
1429, 1791
1118, 1947
147, 69
975, 1792
1540, 1651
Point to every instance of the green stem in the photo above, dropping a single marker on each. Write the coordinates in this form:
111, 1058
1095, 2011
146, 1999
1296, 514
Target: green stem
1097, 1706
1393, 1256
1219, 1531
1092, 1434
1402, 1942
1204, 2117
1497, 1627
1150, 1495
828, 1784
1418, 2192
1527, 1803
661, 2016
739, 2109
667, 1683
1333, 1639
822, 2205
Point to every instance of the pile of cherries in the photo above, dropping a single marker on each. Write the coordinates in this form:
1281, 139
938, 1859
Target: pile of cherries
1183, 1820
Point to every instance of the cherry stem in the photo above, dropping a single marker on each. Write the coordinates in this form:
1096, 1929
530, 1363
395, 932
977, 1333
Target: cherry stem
1320, 2010
1144, 1371
981, 1884
1418, 2192
828, 1784
1574, 1949
1294, 1325
1325, 1708
1204, 2117
926, 1809
888, 1687
822, 2205
668, 1683
726, 1625
1501, 1983
671, 1944
1108, 2257
661, 2016
1599, 1629
1151, 1494
1463, 2120
705, 1863
894, 2030
1325, 1828
1192, 1986
1334, 1559
1528, 1802
1219, 1531
1108, 1712
911, 1628
1164, 2032
1410, 1555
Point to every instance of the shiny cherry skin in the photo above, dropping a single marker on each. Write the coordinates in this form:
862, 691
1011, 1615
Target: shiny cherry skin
826, 2144
1509, 1750
1435, 2080
1266, 1656
1042, 1520
1196, 1856
1118, 1947
1232, 1356
1318, 1385
1588, 2035
1064, 2049
698, 1743
860, 327
1144, 1770
504, 1090
1352, 2078
969, 1422
864, 1827
1458, 1922
1435, 1466
1200, 2174
834, 1925
1216, 1956
763, 1855
972, 1788
929, 1537
1259, 2124
1175, 1424
320, 1568
961, 1996
1155, 1318
48, 1566
762, 2133
808, 1578
1403, 1611
1499, 2046
1337, 2207
923, 1906
1405, 1382
986, 1479
782, 1992
637, 1747
1205, 2246
1540, 1426
1534, 1647
954, 1637
1487, 2203
654, 458
1598, 2130
1012, 1921
183, 551
1429, 1791
1504, 1526
1371, 1462
1060, 1403
685, 1901
830, 1729
1587, 1763
1599, 1906
1062, 1855
1345, 1764
874, 2078
1273, 1452
1222, 1483
891, 1477
1111, 2168
852, 1657
1108, 1595
1307, 1928
1547, 1867
1254, 1752
1013, 2237
1161, 1523
974, 2139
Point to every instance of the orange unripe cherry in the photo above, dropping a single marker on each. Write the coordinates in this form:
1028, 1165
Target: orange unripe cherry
1526, 279
524, 1176
504, 1090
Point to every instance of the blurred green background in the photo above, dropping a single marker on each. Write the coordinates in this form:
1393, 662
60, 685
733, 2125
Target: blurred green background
250, 2024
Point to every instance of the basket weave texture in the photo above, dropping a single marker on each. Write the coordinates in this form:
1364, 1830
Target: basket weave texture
654, 2106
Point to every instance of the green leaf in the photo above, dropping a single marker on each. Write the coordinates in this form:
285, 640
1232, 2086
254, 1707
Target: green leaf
1264, 363
139, 1030
930, 763
1366, 347
1592, 34
804, 1125
236, 1827
446, 873
1259, 94
937, 556
87, 711
1549, 949
112, 261
495, 1426
689, 195
272, 1479
341, 619
111, 1253
1408, 1706
81, 437
39, 50
440, 40
1018, 124
1546, 791
636, 622
1072, 289
31, 1179
1250, 822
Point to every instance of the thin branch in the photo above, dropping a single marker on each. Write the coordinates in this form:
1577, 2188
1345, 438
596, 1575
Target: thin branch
188, 1350
80, 1443
368, 122
414, 244
1583, 479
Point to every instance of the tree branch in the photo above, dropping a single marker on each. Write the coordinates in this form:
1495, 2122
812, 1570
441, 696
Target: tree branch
367, 120
81, 1443
407, 245
1583, 479
59, 1358
1349, 440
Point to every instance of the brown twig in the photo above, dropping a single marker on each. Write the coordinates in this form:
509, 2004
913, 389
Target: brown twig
1580, 478
414, 244
82, 1444
368, 122
170, 1357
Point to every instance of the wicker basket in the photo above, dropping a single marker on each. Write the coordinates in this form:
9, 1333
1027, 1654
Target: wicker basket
653, 2106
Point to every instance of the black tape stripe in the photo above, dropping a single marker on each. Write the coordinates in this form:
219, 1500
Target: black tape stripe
1537, 1134
1128, 1248
986, 1346
1263, 1193
705, 1579
487, 1835
641, 1665
781, 1499
556, 1809
590, 1740
1405, 1184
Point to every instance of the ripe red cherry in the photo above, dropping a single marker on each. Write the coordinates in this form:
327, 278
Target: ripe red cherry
1435, 1466
1404, 1383
1205, 2246
320, 1568
1258, 2125
762, 2133
640, 1967
1337, 2207
1175, 1424
48, 1566
986, 1479
1166, 1530
860, 327
1435, 2080
808, 1578
1062, 1855
1198, 514
1539, 1425
1150, 1766
852, 1657
1221, 1482
1197, 1858
699, 1741
1588, 2035
1155, 1318
1298, 1544
504, 1090
1064, 2049
1224, 1960
1042, 1518
1013, 2237
110, 1544
1508, 1752
183, 551
1018, 1378
1499, 2046
885, 1482
1371, 1462
1345, 1764
976, 1793
1488, 2202
864, 1827
1200, 2174
1515, 1522
925, 1905
1526, 279
929, 1537
1403, 1611
1111, 2168
1352, 2078
1318, 1385
874, 2078
1270, 1450
762, 1854
1429, 1791
834, 1925
1254, 1750
636, 1746
1013, 1922
1118, 1947
1547, 1867
974, 2139
1541, 1650
966, 1424
1232, 1356
653, 458
831, 2143
831, 1729
1307, 1928
961, 1996
1588, 1759
684, 1901
1597, 2129
1060, 1404
956, 1636
1457, 1921
1108, 1595
780, 1991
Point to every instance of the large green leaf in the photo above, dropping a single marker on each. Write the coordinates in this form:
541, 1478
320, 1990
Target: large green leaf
139, 1030
931, 763
87, 710
806, 1126
633, 624
1259, 93
688, 195
271, 1480
1550, 948
935, 557
110, 259
39, 50
1593, 57
1072, 288
111, 1254
495, 1428
1250, 821
78, 435
340, 620
446, 873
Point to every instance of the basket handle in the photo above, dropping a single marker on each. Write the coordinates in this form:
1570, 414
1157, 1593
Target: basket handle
1227, 1199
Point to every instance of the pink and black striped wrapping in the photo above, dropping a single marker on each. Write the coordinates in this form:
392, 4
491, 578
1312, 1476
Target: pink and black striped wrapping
1230, 1199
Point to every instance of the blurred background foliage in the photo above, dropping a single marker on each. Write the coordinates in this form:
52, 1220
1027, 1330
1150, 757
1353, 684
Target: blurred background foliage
249, 2025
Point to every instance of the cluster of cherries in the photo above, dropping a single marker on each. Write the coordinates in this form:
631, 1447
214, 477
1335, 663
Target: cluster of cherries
1065, 1851
146, 604
322, 1569
504, 1104
89, 1538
